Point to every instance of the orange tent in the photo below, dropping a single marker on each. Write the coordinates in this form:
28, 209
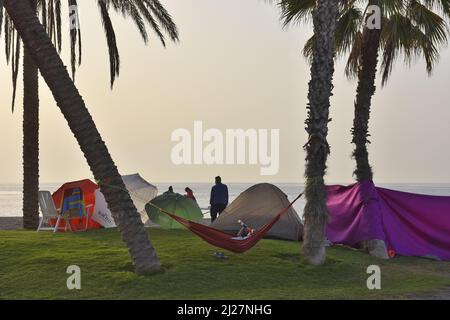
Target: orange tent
85, 192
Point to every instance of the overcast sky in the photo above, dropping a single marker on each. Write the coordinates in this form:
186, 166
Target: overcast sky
235, 67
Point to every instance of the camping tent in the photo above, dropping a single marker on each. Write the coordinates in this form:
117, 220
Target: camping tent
78, 197
257, 206
177, 204
409, 224
85, 195
141, 193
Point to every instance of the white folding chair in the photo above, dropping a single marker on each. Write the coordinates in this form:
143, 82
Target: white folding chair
49, 212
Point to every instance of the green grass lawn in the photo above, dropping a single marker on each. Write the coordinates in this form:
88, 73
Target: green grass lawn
33, 266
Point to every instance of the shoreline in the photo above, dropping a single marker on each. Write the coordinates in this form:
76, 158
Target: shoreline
11, 223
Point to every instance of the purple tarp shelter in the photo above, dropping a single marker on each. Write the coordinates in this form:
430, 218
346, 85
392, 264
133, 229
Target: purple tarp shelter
410, 224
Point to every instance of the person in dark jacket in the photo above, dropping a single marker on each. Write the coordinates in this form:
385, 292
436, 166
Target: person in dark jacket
218, 199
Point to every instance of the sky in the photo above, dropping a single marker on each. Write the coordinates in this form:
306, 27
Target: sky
235, 67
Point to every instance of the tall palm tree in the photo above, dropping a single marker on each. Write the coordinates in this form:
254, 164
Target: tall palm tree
149, 12
410, 29
324, 16
30, 146
83, 127
30, 117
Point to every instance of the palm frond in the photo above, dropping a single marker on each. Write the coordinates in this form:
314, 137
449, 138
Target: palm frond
128, 8
141, 12
294, 11
351, 68
15, 64
440, 5
44, 14
114, 58
9, 37
51, 28
58, 25
416, 32
395, 38
164, 18
347, 26
308, 49
388, 7
1, 16
431, 23
75, 38
146, 13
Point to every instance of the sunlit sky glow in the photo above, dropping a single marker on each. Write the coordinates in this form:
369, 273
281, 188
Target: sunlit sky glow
235, 67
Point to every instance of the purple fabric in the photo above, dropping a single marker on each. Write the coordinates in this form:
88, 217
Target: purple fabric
410, 224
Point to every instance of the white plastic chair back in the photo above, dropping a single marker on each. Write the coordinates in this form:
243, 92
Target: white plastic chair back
47, 205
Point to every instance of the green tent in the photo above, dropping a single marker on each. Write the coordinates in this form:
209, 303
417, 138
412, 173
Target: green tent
176, 204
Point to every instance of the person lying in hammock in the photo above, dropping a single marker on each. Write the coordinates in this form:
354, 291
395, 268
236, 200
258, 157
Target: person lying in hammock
244, 232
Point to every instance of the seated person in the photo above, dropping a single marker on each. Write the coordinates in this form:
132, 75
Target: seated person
169, 191
244, 232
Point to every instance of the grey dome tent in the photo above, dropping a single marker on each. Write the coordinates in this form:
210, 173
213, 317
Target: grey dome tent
257, 206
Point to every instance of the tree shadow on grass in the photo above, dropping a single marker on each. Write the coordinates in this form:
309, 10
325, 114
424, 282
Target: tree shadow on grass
129, 267
301, 261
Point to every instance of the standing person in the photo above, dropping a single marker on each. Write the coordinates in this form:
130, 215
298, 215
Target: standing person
190, 194
218, 199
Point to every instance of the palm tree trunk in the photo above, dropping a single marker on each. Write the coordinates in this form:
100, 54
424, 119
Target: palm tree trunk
30, 139
83, 127
366, 89
364, 92
317, 148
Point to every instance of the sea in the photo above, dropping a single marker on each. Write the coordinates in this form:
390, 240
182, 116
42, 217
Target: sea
11, 194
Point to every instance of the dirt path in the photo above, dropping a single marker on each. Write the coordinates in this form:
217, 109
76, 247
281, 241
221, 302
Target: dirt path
439, 295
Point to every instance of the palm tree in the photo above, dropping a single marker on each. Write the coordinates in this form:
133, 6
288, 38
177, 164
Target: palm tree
141, 12
324, 17
409, 28
83, 127
30, 146
317, 149
30, 118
